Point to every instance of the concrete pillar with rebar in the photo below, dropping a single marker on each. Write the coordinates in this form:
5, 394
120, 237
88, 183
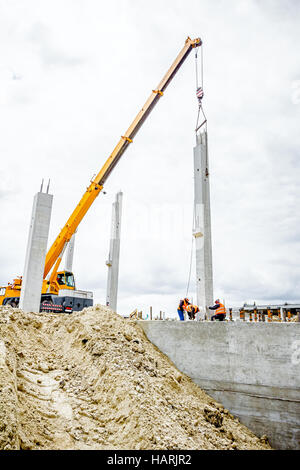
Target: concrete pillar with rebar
36, 252
202, 225
70, 254
114, 254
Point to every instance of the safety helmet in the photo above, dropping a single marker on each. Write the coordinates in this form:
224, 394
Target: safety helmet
217, 301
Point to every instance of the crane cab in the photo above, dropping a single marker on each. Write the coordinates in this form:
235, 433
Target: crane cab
10, 294
65, 280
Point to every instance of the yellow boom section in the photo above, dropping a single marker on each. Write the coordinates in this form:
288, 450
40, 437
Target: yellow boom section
96, 185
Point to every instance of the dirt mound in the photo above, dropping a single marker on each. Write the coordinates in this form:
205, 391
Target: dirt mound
92, 380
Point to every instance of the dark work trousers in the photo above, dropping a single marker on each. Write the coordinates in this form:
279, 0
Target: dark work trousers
220, 317
180, 314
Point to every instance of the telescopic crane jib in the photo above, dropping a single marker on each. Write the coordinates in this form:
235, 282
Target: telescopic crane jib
56, 251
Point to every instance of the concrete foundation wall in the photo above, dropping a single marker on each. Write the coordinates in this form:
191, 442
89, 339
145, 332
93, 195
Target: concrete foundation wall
253, 369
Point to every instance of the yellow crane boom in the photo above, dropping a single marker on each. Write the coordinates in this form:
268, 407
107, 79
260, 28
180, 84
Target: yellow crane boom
56, 251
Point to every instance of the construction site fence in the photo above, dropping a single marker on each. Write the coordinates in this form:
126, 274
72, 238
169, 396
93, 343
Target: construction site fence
269, 315
255, 315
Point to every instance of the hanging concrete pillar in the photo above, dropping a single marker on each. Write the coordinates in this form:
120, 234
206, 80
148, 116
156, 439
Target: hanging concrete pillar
202, 226
36, 252
114, 254
70, 254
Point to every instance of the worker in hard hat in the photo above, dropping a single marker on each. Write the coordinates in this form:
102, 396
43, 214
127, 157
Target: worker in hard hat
182, 308
220, 311
191, 311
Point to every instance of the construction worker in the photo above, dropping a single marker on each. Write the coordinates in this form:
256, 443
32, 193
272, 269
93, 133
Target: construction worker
220, 311
182, 308
191, 311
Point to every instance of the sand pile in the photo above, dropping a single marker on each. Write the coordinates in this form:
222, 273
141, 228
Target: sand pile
92, 380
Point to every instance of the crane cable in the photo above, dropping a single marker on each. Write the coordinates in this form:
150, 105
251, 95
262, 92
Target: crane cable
199, 94
199, 90
191, 257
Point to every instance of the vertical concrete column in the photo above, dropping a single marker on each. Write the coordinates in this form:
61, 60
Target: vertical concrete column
114, 254
202, 227
70, 254
36, 252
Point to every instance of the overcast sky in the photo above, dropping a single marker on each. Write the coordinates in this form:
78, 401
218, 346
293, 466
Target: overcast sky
73, 75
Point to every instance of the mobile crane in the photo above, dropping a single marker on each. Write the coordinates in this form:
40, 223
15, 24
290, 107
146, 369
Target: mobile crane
58, 289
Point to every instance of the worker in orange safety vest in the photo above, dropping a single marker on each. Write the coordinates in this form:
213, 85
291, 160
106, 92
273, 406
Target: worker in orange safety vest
220, 311
191, 311
182, 308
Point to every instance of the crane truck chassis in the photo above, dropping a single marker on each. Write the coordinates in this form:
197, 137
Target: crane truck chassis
58, 289
67, 300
